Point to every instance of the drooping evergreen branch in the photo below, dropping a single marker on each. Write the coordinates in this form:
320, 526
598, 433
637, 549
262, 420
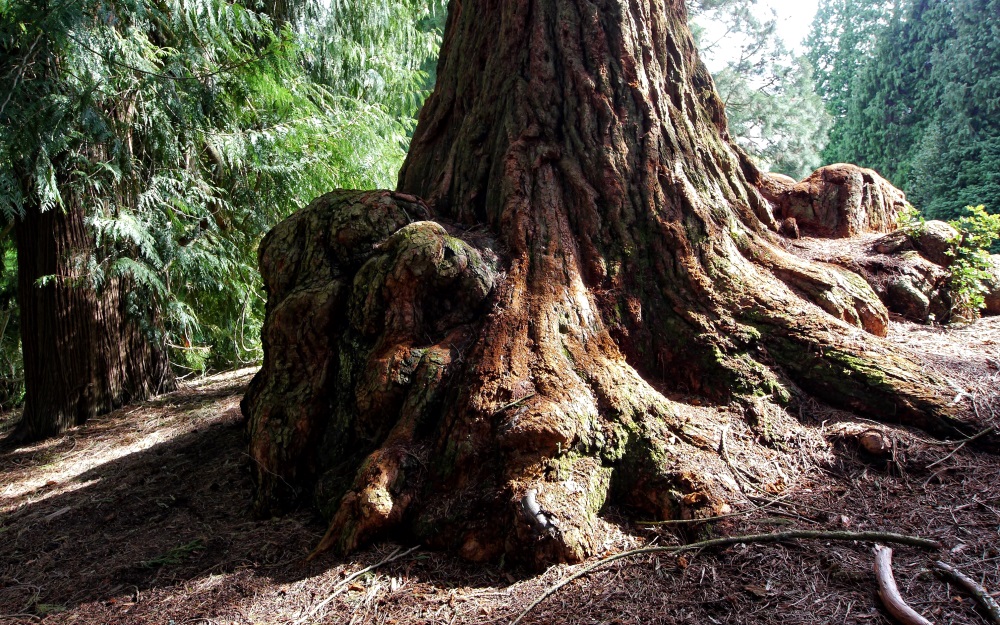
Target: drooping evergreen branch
189, 129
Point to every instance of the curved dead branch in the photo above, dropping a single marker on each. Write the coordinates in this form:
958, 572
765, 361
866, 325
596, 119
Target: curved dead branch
983, 598
890, 594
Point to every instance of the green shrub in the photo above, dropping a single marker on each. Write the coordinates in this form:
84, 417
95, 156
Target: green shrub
910, 219
970, 270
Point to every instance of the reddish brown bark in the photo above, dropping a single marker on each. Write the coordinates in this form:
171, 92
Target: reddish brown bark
84, 355
643, 329
835, 201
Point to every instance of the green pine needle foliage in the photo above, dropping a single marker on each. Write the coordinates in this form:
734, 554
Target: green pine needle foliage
970, 268
772, 107
186, 129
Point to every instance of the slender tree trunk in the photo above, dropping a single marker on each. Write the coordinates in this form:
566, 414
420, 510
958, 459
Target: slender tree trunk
602, 312
84, 355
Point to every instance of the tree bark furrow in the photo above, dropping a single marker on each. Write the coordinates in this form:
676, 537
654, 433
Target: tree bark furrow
631, 330
83, 354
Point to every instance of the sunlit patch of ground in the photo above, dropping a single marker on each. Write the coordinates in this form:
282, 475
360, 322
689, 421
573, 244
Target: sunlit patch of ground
967, 355
142, 516
53, 467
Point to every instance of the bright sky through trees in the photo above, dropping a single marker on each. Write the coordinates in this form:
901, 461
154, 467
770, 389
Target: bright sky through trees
794, 18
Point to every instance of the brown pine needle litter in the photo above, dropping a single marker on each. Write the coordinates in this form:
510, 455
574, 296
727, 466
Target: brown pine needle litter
888, 537
142, 516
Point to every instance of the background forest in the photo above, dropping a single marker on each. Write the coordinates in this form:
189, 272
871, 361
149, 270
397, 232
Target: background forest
181, 132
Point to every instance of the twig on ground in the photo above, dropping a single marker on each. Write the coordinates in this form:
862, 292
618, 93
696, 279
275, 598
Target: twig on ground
960, 446
945, 470
395, 555
889, 537
890, 594
794, 506
983, 598
751, 510
738, 474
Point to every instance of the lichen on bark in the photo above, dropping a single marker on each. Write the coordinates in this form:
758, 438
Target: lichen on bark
588, 304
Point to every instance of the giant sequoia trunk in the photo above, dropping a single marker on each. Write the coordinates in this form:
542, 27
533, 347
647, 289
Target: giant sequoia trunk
84, 355
575, 297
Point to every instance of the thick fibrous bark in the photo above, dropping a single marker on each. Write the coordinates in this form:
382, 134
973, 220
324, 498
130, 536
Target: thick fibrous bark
83, 354
599, 311
835, 201
906, 268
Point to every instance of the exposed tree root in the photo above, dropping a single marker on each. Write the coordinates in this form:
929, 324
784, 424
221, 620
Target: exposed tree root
397, 439
587, 294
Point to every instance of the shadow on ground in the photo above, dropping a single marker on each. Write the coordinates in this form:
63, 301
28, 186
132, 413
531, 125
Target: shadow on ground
174, 513
143, 517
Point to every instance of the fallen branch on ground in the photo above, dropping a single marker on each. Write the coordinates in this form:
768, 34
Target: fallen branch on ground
887, 537
962, 444
983, 598
719, 517
890, 594
395, 555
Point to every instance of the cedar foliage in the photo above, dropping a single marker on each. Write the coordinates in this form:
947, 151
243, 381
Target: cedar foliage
839, 45
922, 105
187, 129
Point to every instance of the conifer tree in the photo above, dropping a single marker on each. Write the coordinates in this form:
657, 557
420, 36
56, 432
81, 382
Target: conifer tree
144, 149
894, 96
923, 109
840, 44
782, 122
773, 110
955, 159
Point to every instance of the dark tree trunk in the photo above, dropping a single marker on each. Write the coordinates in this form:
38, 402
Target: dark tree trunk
84, 355
601, 312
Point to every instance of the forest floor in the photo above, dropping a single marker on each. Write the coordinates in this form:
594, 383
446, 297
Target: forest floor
142, 516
